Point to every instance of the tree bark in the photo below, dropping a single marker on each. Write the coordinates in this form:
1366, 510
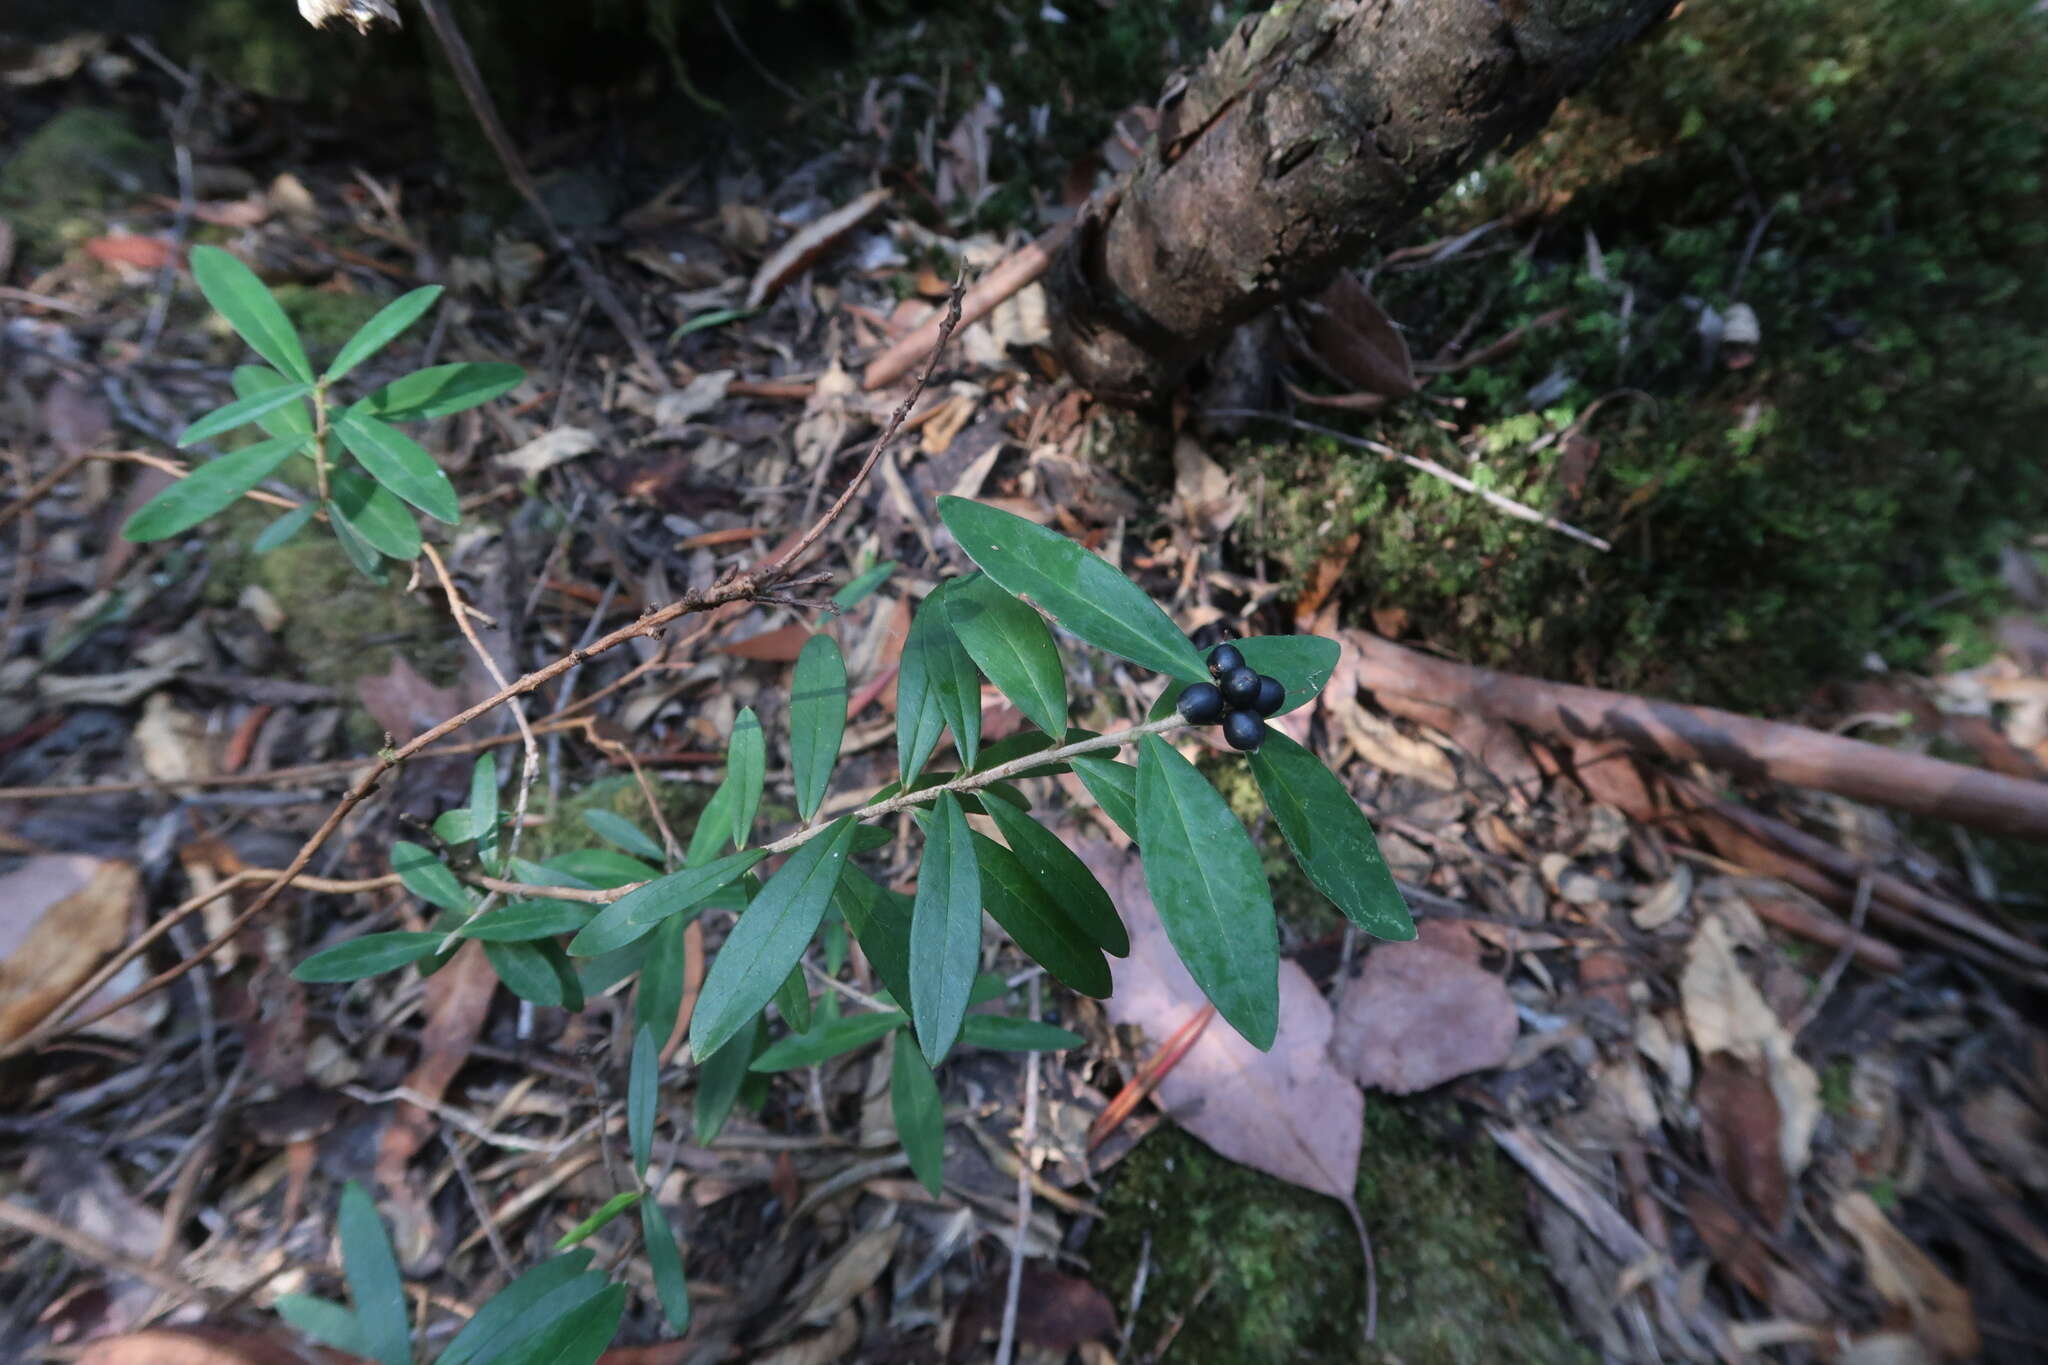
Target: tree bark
1316, 128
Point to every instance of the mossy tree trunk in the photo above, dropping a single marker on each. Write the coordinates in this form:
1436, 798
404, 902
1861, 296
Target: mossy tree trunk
1316, 128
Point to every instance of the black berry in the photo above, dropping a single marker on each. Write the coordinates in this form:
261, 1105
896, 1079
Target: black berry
1224, 660
1272, 696
1244, 730
1202, 704
1240, 687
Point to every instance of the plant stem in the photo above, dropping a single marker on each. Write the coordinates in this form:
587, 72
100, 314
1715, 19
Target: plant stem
320, 441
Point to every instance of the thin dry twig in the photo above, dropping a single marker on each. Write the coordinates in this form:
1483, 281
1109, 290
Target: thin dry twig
1006, 1343
37, 1224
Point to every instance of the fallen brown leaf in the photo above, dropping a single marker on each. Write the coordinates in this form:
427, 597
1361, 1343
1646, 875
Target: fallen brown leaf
1055, 1313
1725, 1012
1739, 1126
1905, 1277
1418, 1016
1353, 335
210, 1346
778, 646
59, 916
404, 703
807, 244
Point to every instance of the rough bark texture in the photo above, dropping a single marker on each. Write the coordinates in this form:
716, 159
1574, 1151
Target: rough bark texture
1318, 126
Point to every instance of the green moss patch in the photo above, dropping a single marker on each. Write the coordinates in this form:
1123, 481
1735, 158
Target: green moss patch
58, 188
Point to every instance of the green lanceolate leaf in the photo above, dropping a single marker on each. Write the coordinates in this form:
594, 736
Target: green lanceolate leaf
241, 412
399, 463
250, 380
283, 529
880, 920
1302, 663
1066, 879
366, 956
714, 823
665, 1259
793, 999
1331, 838
358, 551
368, 510
519, 921
617, 829
829, 1039
598, 867
858, 590
659, 997
1039, 925
746, 769
1075, 587
439, 391
945, 929
1205, 877
209, 488
641, 909
817, 720
237, 295
537, 972
373, 1282
523, 1307
919, 1112
483, 807
610, 1209
1011, 644
325, 1321
768, 939
1114, 786
1004, 1034
578, 1337
427, 877
719, 1078
643, 1091
374, 335
936, 686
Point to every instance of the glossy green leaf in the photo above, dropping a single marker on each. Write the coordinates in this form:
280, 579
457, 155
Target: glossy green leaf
880, 921
483, 806
211, 487
658, 998
524, 1307
241, 412
399, 463
1002, 1033
537, 972
250, 380
817, 720
719, 1078
578, 1337
617, 829
831, 1038
665, 1260
868, 838
368, 955
1066, 879
1206, 879
518, 921
283, 529
439, 391
369, 510
920, 1113
371, 1269
769, 938
237, 295
354, 548
793, 1000
1302, 663
988, 986
859, 588
945, 929
639, 910
1074, 586
714, 823
323, 1320
610, 1209
1040, 926
601, 867
427, 877
746, 768
1331, 838
1114, 785
1011, 643
374, 335
643, 1092
936, 687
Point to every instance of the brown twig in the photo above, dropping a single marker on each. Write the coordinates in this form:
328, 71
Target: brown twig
36, 491
36, 1224
1012, 274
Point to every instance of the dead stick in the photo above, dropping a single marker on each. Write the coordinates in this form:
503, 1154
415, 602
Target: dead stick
1741, 745
1012, 274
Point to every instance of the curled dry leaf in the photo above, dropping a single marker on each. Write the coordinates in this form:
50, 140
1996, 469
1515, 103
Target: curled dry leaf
1418, 1016
1208, 498
405, 703
549, 449
694, 399
1288, 1112
808, 243
173, 741
1907, 1278
1354, 336
1725, 1012
59, 917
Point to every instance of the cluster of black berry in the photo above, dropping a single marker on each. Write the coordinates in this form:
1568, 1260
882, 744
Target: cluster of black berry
1240, 698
